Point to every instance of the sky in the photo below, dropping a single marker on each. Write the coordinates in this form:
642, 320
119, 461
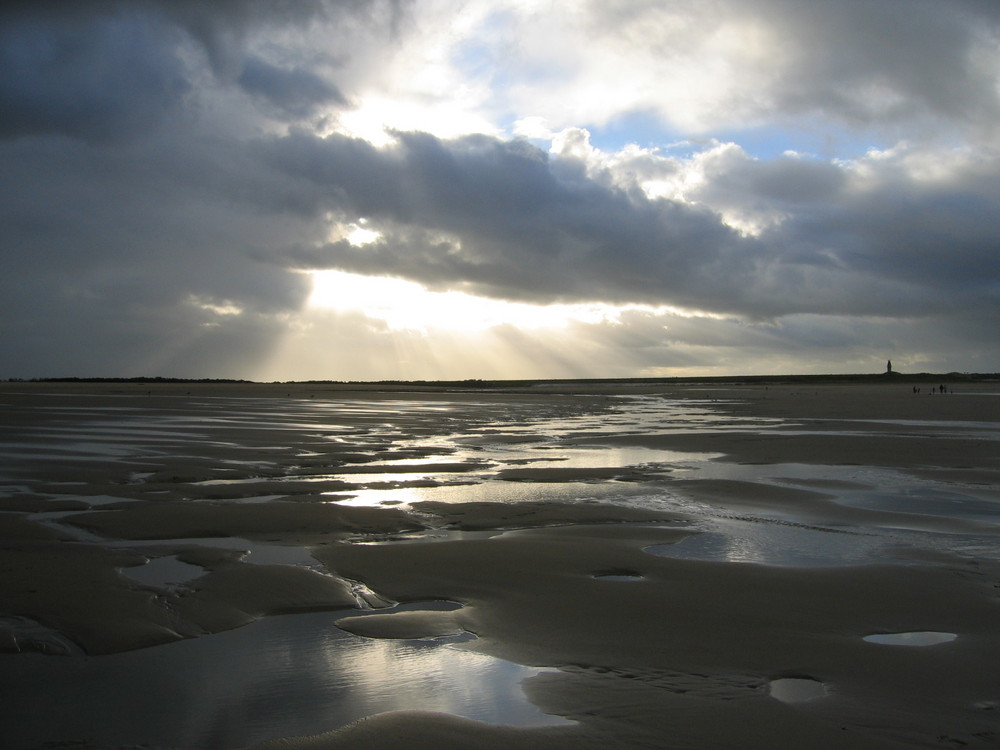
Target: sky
439, 189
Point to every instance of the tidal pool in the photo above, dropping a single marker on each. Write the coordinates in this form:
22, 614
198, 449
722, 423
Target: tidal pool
765, 541
915, 638
928, 501
774, 543
164, 572
796, 689
281, 676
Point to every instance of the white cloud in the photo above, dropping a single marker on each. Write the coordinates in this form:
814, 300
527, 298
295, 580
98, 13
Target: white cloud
708, 66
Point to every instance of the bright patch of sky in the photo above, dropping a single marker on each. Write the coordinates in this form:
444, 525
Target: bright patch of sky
406, 305
829, 143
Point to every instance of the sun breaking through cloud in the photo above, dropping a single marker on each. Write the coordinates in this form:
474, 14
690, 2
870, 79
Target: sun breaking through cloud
390, 190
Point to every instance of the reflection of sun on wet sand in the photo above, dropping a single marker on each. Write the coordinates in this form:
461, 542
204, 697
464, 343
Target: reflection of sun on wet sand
829, 515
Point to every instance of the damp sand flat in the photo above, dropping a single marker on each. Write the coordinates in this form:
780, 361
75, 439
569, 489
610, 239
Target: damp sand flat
558, 573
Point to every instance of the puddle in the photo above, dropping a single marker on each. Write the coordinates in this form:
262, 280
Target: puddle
99, 500
495, 492
163, 572
623, 578
796, 689
282, 676
944, 427
255, 553
765, 541
248, 500
774, 543
925, 501
437, 459
605, 457
915, 638
429, 536
622, 575
796, 474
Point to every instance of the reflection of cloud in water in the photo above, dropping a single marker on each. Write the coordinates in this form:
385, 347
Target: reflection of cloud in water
500, 492
766, 543
163, 572
392, 675
796, 689
254, 552
775, 542
916, 638
281, 676
930, 501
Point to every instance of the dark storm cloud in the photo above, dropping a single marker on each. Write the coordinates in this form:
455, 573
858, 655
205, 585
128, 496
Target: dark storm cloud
85, 75
222, 28
107, 69
497, 218
890, 242
503, 219
937, 238
128, 218
295, 91
732, 178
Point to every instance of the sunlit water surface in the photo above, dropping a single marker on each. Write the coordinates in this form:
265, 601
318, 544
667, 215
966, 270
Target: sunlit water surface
282, 676
796, 689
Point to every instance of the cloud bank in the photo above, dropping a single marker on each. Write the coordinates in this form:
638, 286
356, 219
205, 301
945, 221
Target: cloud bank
765, 186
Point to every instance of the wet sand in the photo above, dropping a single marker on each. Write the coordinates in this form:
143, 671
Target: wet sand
554, 567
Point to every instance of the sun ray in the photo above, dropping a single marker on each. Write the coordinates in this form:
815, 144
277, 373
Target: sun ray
405, 304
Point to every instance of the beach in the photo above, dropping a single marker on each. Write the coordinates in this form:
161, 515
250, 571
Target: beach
648, 565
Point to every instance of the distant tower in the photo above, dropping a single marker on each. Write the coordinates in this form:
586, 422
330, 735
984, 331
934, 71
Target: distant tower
888, 367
